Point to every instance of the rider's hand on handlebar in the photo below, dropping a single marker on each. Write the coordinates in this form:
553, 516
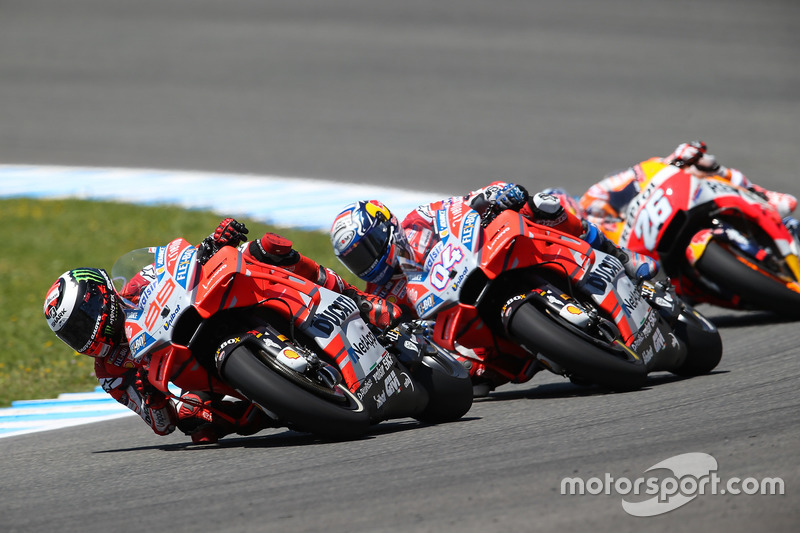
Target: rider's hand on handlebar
151, 396
511, 197
206, 249
687, 154
708, 164
489, 213
230, 232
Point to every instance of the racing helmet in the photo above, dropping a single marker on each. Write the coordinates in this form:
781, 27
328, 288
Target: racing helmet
83, 310
367, 239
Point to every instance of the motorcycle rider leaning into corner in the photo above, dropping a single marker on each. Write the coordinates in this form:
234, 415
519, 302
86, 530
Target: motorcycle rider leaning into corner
369, 241
609, 198
83, 309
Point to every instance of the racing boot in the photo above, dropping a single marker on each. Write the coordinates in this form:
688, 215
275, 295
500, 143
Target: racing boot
198, 421
206, 418
783, 202
554, 208
637, 266
472, 360
502, 371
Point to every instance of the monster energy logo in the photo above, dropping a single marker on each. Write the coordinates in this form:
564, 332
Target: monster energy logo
87, 274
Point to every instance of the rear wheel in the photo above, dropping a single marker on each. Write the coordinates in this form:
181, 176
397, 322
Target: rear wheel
704, 344
756, 289
448, 385
296, 401
588, 362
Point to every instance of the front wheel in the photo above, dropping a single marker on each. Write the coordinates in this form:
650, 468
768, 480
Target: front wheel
588, 362
335, 412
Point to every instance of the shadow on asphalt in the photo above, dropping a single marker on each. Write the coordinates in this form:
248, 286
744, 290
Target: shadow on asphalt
570, 390
284, 439
290, 438
744, 319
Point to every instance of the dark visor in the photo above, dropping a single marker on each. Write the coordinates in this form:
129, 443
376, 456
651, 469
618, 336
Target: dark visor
368, 250
79, 327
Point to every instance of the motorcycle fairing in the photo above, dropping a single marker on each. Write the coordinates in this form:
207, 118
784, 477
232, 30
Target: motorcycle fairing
337, 327
677, 216
380, 390
651, 211
511, 241
613, 291
148, 325
177, 288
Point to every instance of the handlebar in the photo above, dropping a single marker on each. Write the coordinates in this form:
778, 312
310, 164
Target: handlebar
490, 213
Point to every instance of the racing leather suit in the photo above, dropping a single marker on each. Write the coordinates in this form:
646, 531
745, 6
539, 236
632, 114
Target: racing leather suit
609, 198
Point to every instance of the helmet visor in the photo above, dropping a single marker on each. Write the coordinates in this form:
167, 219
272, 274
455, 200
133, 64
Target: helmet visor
82, 326
370, 249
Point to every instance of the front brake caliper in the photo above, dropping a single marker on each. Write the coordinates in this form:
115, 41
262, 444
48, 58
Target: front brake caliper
555, 301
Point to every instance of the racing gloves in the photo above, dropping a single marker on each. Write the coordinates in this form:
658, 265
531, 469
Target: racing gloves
511, 196
686, 154
230, 232
377, 311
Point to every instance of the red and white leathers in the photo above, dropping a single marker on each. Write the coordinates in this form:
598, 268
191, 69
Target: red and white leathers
420, 231
273, 249
204, 417
609, 198
117, 374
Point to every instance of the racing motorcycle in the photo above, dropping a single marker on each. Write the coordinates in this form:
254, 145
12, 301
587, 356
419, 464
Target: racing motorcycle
719, 243
546, 299
299, 352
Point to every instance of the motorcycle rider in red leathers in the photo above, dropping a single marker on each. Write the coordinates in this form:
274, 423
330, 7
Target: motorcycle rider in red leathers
609, 198
370, 242
83, 310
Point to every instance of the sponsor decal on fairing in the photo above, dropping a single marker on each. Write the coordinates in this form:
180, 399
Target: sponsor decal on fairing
645, 331
603, 274
334, 315
468, 230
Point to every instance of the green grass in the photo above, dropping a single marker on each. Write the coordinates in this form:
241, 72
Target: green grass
41, 239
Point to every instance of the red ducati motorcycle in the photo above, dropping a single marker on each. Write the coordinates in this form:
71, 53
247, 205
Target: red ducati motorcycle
299, 352
546, 299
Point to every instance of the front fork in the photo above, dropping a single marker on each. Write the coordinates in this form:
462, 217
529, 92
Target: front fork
658, 294
293, 356
727, 234
548, 297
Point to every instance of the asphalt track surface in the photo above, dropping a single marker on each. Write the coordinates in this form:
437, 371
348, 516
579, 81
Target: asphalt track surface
441, 96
